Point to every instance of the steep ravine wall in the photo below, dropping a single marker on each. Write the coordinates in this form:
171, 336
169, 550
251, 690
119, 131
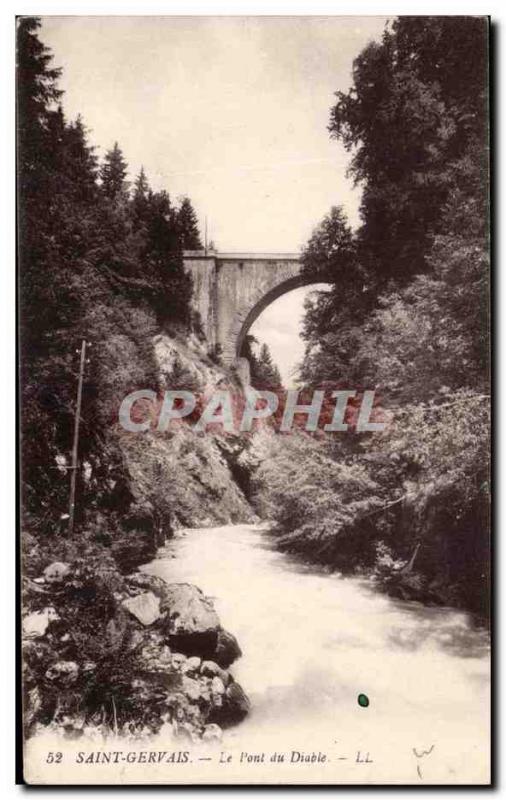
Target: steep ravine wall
184, 474
108, 650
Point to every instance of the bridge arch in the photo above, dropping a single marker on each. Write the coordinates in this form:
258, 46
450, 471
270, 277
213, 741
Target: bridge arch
230, 290
249, 312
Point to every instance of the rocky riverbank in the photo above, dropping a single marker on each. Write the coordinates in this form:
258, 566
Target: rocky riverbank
126, 655
106, 648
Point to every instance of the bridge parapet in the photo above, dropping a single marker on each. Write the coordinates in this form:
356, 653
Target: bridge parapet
190, 255
232, 289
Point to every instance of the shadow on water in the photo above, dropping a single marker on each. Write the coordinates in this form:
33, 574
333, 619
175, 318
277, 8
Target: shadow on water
455, 632
454, 638
313, 640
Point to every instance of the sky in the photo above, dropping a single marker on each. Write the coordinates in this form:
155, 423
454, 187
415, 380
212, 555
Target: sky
279, 326
231, 111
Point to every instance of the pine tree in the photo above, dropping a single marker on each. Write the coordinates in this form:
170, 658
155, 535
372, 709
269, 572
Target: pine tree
113, 173
188, 226
80, 161
268, 368
418, 98
140, 199
164, 260
36, 94
264, 372
162, 235
56, 179
141, 187
40, 128
331, 250
85, 270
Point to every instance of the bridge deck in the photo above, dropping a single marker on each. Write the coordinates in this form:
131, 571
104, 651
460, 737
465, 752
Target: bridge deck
241, 256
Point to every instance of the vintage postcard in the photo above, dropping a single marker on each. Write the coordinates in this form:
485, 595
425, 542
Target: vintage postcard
253, 285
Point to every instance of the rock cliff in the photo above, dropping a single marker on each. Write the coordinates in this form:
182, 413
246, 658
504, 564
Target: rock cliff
110, 649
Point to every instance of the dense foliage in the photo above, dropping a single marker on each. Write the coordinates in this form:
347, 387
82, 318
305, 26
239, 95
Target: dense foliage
407, 315
264, 372
98, 260
416, 107
102, 261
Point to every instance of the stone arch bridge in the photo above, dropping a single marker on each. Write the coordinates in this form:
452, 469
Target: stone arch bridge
232, 289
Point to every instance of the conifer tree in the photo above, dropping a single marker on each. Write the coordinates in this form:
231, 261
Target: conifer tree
140, 199
36, 92
141, 184
268, 371
263, 371
113, 173
141, 188
164, 261
188, 226
80, 161
419, 97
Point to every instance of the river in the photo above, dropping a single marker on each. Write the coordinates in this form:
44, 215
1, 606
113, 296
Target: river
312, 642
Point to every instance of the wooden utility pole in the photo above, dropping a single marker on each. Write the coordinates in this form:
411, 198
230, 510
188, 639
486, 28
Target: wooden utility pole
73, 468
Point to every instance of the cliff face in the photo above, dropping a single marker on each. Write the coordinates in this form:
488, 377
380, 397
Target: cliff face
185, 476
107, 649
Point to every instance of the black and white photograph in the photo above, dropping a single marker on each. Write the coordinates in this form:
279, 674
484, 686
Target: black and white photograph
254, 390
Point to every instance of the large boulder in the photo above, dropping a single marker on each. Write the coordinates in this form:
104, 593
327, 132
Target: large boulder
191, 688
140, 517
189, 620
131, 548
234, 706
210, 669
227, 649
191, 665
37, 623
212, 733
57, 572
139, 538
145, 582
145, 607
